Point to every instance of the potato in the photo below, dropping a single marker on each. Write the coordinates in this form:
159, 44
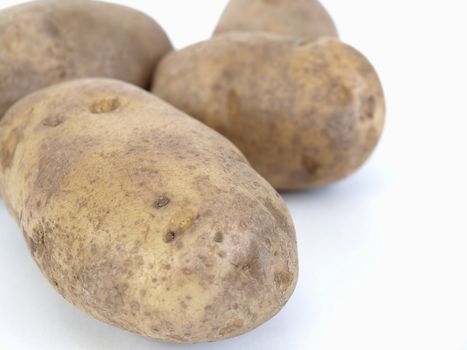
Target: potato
142, 216
304, 114
306, 19
49, 41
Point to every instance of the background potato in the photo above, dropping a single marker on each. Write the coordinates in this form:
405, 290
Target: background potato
142, 216
306, 19
304, 114
48, 41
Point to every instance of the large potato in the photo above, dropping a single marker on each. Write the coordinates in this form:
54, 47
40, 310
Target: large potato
304, 114
47, 41
142, 216
306, 19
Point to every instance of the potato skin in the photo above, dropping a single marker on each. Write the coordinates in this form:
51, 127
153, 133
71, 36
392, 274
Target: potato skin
142, 216
305, 19
48, 41
304, 114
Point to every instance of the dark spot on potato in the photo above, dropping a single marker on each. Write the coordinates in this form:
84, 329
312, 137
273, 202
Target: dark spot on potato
161, 202
105, 105
219, 237
53, 121
368, 108
310, 165
146, 172
283, 280
339, 94
169, 237
8, 149
51, 29
167, 267
154, 280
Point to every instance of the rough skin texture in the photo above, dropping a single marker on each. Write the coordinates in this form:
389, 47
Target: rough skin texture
304, 114
142, 216
305, 19
50, 41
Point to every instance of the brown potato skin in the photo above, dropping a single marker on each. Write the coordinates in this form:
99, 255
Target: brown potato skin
142, 216
48, 41
304, 114
305, 19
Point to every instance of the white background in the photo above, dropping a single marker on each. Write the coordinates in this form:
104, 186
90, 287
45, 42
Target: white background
383, 254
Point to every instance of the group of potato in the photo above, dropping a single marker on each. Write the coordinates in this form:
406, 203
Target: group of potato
139, 214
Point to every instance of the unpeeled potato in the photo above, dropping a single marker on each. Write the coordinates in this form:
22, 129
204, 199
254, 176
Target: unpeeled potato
305, 19
305, 114
48, 41
142, 216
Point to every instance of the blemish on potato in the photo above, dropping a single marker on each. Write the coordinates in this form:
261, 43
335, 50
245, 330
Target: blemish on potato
283, 279
53, 121
169, 237
105, 106
161, 202
311, 166
7, 152
368, 108
219, 237
340, 94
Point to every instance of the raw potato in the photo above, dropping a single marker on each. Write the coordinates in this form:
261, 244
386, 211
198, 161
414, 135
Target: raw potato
304, 114
48, 41
306, 19
142, 216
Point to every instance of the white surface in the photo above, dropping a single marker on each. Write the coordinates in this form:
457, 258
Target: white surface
383, 254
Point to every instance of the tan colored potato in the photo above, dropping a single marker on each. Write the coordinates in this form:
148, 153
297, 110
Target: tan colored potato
142, 216
306, 19
304, 114
48, 41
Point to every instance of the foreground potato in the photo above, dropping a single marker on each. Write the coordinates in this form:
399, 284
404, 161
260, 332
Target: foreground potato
48, 41
306, 19
142, 216
304, 114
